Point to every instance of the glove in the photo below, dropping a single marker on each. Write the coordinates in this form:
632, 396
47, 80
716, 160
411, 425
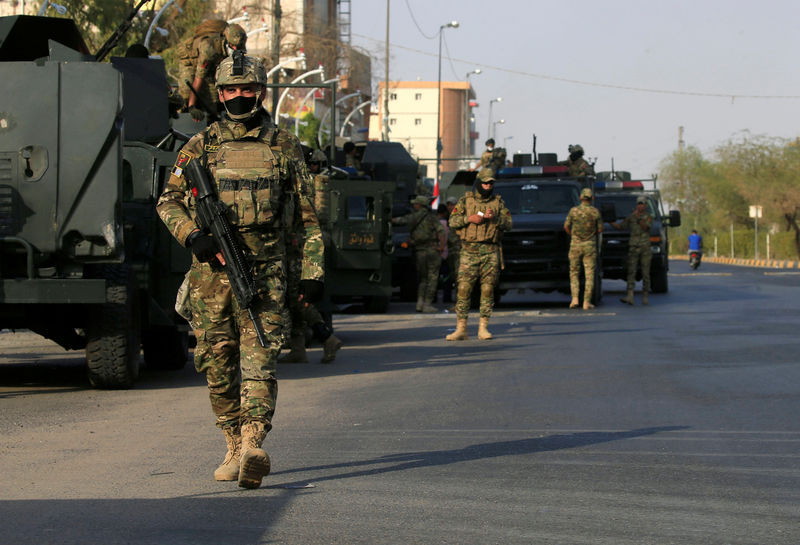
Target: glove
203, 247
197, 114
311, 290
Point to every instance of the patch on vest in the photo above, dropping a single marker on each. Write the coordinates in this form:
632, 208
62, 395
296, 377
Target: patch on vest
211, 148
181, 163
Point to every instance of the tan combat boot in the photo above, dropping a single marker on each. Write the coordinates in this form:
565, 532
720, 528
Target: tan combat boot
329, 349
229, 468
644, 298
587, 305
419, 304
297, 351
483, 331
574, 303
628, 299
254, 464
428, 308
460, 334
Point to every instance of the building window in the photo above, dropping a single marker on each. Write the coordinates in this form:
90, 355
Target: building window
392, 121
418, 96
418, 121
392, 96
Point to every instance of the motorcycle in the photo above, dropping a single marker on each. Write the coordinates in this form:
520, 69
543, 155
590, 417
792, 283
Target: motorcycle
694, 258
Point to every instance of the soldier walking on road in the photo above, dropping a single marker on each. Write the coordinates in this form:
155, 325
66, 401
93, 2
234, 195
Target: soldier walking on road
582, 225
639, 253
427, 238
258, 172
480, 218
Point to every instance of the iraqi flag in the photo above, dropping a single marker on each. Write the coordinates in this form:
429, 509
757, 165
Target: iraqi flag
435, 203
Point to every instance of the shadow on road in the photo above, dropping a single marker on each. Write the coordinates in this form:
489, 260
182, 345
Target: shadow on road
414, 460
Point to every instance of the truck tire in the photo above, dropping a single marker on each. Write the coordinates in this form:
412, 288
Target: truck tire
376, 304
112, 347
165, 348
658, 281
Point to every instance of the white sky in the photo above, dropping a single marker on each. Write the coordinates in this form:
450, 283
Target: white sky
681, 48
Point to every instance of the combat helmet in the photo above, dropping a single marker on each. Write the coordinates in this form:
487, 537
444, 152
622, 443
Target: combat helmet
575, 149
232, 71
235, 36
240, 69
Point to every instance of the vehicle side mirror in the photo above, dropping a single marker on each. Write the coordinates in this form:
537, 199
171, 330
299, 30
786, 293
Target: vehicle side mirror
609, 212
674, 218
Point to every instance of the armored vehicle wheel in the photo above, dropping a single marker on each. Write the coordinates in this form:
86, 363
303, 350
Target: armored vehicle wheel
112, 348
376, 304
165, 348
658, 281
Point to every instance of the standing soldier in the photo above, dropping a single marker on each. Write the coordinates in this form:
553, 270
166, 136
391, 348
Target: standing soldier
199, 57
303, 313
258, 171
576, 164
582, 225
426, 237
639, 252
480, 218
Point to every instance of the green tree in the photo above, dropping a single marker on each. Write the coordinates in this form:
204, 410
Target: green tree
309, 129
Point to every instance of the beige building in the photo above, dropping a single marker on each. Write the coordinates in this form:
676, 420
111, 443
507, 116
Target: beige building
412, 121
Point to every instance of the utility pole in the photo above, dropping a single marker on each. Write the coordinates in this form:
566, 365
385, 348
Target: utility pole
276, 53
386, 82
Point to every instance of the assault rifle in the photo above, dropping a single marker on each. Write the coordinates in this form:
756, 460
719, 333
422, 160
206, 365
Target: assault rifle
212, 218
114, 39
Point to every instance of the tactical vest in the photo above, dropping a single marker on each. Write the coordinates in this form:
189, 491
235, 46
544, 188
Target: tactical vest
249, 173
189, 49
486, 232
424, 231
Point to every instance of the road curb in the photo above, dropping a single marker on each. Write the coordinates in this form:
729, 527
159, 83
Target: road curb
765, 263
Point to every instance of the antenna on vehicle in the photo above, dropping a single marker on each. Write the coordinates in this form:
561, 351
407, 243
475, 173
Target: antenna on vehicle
613, 172
535, 157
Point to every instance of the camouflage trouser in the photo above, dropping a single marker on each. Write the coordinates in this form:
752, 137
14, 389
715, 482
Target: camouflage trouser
240, 373
453, 259
428, 263
585, 252
639, 255
302, 314
477, 262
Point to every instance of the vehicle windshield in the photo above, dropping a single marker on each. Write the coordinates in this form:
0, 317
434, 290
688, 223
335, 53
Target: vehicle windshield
533, 198
624, 205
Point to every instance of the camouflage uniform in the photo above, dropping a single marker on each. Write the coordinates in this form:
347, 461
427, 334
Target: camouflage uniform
425, 233
576, 165
639, 249
260, 174
198, 58
480, 249
583, 223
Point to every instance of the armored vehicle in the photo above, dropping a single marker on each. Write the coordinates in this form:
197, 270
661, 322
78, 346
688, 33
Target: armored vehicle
358, 252
85, 148
616, 191
535, 253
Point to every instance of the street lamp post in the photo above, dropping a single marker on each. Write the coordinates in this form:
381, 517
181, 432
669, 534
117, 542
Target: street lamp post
489, 126
494, 126
451, 24
466, 110
506, 139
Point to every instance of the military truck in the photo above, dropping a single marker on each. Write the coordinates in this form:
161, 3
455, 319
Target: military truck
535, 253
85, 149
618, 192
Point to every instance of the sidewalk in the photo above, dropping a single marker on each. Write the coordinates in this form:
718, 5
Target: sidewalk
766, 263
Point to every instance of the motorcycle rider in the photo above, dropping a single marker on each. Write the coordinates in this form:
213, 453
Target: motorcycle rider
695, 245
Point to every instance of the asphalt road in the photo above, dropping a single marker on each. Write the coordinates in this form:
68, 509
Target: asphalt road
675, 423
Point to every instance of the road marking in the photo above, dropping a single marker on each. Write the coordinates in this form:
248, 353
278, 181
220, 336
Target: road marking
787, 273
702, 274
